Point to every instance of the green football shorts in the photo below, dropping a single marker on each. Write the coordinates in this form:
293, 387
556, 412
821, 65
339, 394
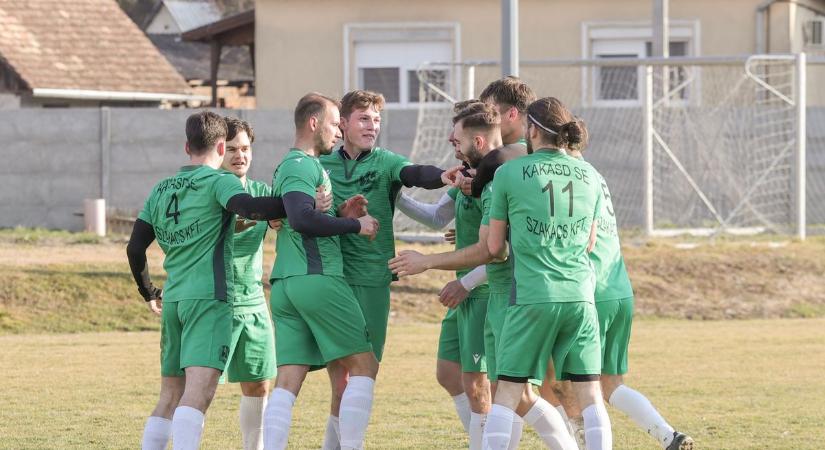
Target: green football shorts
252, 352
496, 311
615, 322
532, 334
375, 305
317, 320
471, 315
194, 333
448, 338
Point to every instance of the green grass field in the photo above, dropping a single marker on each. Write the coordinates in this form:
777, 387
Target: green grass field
738, 384
80, 350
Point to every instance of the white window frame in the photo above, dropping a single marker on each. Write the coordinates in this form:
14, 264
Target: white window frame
399, 32
688, 31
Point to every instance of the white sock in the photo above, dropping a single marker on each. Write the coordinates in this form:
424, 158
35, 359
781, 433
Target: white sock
356, 405
566, 419
476, 430
597, 432
462, 407
576, 427
277, 419
187, 427
251, 417
549, 425
515, 434
639, 408
156, 433
497, 428
331, 435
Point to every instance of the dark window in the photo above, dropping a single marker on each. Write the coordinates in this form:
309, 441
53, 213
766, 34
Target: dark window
385, 80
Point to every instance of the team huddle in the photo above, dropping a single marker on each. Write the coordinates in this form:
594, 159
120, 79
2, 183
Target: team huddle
541, 296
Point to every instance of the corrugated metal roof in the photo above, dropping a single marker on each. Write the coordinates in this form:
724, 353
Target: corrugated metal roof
189, 14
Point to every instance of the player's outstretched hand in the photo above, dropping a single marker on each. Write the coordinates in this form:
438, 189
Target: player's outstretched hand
369, 226
242, 224
276, 224
408, 262
156, 306
449, 236
453, 177
453, 294
353, 207
323, 201
467, 183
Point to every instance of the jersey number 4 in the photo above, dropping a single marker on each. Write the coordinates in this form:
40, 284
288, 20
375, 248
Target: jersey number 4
568, 188
172, 209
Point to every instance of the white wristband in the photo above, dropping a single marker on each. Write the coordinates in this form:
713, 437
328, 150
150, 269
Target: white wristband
476, 277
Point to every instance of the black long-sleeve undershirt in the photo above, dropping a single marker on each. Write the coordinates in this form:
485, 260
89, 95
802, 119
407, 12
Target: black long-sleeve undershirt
142, 236
423, 176
486, 170
256, 208
305, 219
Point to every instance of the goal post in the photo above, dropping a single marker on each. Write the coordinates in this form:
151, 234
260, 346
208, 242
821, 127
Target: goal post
701, 145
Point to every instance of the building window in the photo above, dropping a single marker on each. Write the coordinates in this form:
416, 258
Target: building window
386, 58
622, 85
386, 80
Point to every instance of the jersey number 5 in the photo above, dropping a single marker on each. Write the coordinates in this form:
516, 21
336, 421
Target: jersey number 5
568, 188
172, 208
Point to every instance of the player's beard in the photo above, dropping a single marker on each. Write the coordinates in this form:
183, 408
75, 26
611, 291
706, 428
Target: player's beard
321, 143
473, 157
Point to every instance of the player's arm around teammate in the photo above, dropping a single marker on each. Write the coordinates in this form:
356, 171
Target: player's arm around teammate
552, 316
190, 215
317, 319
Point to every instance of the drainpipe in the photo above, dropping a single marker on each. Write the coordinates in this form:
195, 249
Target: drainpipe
763, 17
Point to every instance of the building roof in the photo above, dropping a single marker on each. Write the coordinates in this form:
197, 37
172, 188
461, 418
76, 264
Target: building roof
81, 45
189, 15
192, 59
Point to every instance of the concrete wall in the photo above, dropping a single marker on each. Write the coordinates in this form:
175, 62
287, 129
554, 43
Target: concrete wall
293, 36
53, 159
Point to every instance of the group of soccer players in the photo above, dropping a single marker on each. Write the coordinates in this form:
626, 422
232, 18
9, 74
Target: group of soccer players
541, 296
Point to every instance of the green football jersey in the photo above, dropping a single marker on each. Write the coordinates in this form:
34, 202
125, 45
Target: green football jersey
298, 254
377, 176
467, 223
195, 232
550, 201
500, 274
612, 281
248, 259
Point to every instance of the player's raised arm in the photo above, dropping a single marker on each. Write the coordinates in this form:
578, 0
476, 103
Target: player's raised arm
142, 237
305, 219
257, 208
434, 215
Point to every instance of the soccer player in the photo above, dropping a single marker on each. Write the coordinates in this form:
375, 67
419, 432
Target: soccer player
510, 96
191, 216
317, 318
551, 203
614, 305
252, 349
359, 167
477, 133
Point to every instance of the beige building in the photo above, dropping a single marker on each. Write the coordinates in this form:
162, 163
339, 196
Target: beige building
334, 46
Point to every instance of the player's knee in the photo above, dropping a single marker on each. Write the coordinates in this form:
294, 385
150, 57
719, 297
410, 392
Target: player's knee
609, 383
259, 389
362, 365
448, 375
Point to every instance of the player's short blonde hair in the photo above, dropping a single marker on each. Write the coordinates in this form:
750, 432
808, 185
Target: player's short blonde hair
361, 99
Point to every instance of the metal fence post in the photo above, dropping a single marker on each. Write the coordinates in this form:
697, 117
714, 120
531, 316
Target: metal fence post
648, 146
801, 136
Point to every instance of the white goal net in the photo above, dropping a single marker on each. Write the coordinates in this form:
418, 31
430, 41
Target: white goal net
700, 145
